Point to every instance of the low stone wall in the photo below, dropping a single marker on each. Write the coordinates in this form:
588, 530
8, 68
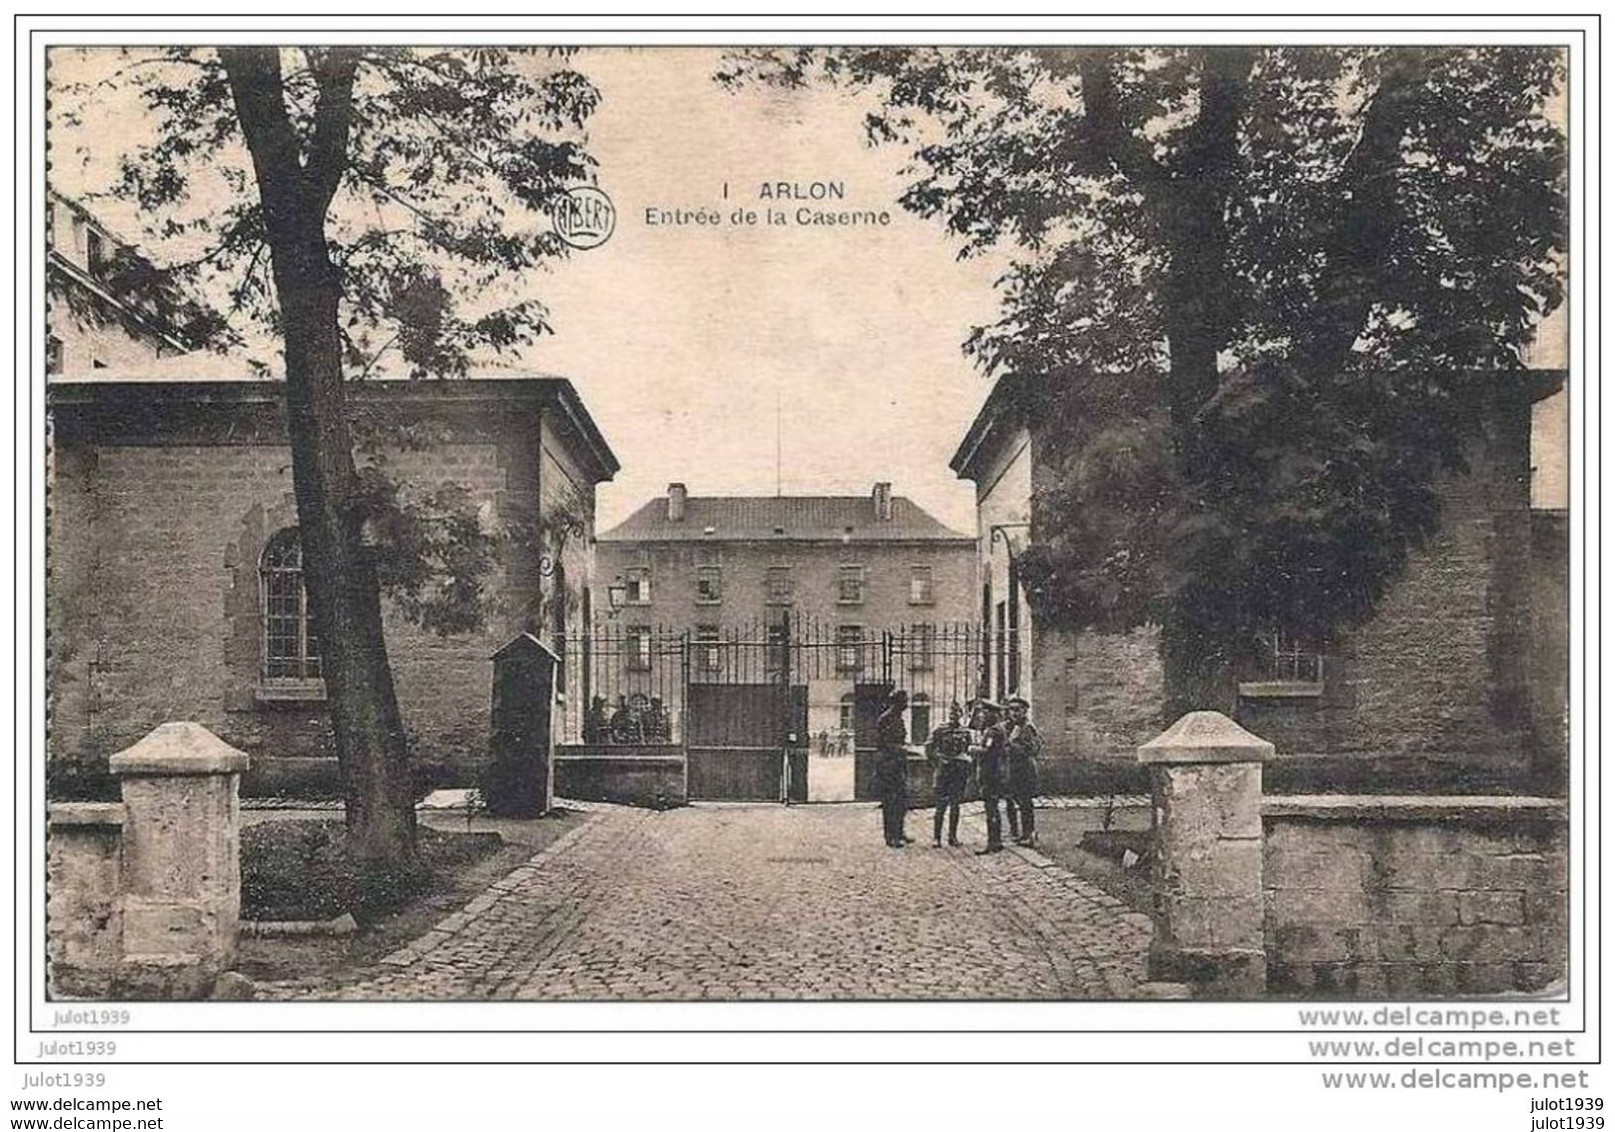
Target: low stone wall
83, 897
1415, 896
632, 776
143, 896
292, 777
1061, 774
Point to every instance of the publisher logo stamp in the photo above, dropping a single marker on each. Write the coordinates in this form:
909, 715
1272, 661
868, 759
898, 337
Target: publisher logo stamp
585, 217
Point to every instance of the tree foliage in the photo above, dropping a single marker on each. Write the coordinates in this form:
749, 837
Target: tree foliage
1259, 297
436, 219
357, 201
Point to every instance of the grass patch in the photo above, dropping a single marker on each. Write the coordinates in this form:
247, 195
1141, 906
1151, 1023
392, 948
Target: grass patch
331, 962
1078, 841
302, 870
1129, 848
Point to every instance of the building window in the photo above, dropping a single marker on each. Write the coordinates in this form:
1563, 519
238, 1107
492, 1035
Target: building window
1289, 659
849, 710
708, 585
776, 653
778, 589
919, 717
922, 647
53, 354
636, 580
637, 648
291, 645
919, 586
850, 586
95, 251
849, 648
708, 651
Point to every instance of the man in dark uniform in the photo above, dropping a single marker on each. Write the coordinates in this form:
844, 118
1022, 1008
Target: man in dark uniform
949, 752
989, 752
891, 768
594, 721
1023, 745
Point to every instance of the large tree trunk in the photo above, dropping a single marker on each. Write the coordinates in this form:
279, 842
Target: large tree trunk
1199, 668
1200, 308
1201, 300
343, 592
370, 739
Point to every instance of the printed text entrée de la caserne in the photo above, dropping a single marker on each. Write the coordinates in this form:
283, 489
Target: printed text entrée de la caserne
778, 204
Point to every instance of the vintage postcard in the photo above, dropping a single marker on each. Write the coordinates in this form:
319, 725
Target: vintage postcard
1014, 521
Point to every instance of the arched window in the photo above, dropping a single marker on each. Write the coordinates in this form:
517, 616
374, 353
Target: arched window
291, 648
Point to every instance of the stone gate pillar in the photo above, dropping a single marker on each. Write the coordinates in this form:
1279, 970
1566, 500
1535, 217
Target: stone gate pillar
181, 860
1206, 786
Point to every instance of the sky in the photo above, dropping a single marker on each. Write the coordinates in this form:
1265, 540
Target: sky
749, 359
690, 344
737, 360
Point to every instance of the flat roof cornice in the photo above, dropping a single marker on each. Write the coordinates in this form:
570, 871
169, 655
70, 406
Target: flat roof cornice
542, 393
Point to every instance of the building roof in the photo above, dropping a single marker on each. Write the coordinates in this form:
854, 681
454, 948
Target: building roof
996, 413
771, 518
133, 288
999, 415
131, 405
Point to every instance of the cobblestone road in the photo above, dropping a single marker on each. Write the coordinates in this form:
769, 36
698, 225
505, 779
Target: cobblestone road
741, 902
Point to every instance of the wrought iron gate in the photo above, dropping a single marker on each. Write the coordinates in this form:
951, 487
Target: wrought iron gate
747, 704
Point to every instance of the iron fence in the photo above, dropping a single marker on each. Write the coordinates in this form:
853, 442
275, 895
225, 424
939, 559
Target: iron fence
629, 684
624, 686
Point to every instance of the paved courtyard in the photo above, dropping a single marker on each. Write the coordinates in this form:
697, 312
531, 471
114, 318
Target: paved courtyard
754, 902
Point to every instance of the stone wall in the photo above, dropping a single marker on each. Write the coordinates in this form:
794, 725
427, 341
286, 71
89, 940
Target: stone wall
83, 897
630, 776
165, 620
1435, 687
1550, 644
70, 648
154, 603
1098, 696
1411, 897
1438, 673
143, 896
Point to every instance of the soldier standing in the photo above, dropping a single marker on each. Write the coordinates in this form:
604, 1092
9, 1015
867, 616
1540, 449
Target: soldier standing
989, 752
891, 768
1023, 745
949, 752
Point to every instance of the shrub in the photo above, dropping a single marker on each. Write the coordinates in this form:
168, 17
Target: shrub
302, 870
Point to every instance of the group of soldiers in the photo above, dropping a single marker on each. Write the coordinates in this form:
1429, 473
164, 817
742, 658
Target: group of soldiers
631, 722
997, 743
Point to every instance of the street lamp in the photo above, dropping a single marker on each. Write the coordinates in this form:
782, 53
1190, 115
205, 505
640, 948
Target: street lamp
1010, 641
617, 595
1000, 532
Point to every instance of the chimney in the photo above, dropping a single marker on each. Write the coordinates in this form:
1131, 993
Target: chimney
883, 502
676, 495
